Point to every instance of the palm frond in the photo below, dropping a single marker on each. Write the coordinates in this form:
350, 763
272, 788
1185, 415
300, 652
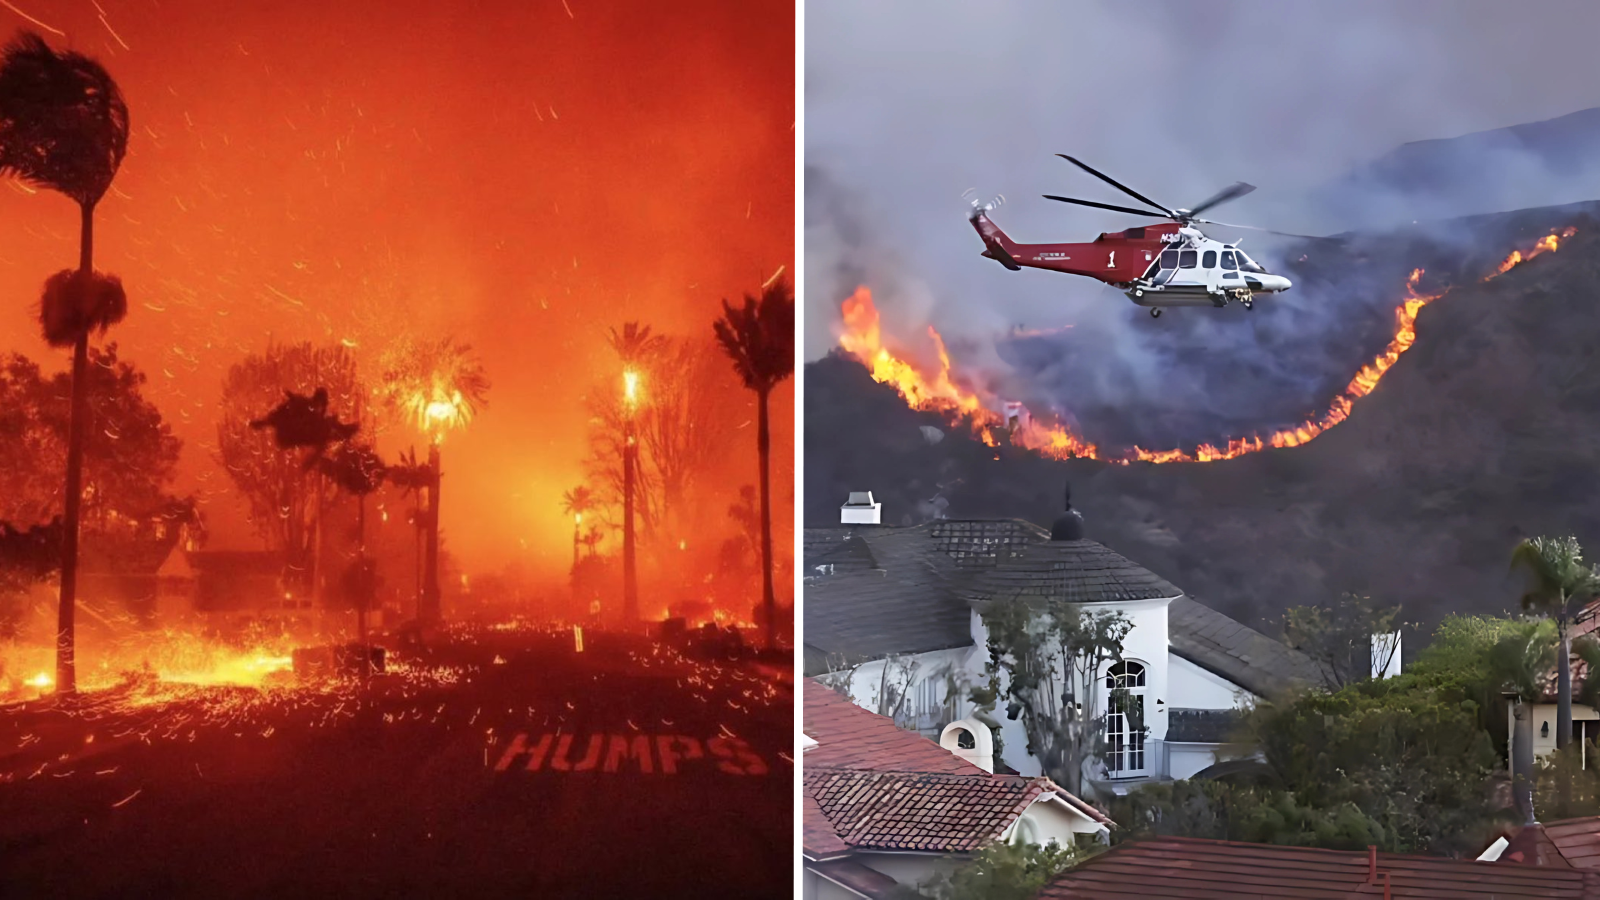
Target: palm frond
759, 336
63, 122
76, 303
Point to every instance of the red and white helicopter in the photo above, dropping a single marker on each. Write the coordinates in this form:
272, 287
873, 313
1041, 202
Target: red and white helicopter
1170, 264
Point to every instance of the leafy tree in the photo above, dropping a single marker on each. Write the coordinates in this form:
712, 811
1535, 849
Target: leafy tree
129, 461
1407, 763
285, 496
1001, 871
1045, 663
759, 338
683, 427
1338, 636
64, 127
1567, 785
1559, 584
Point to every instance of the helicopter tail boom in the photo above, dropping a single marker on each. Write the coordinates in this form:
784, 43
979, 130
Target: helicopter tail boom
997, 246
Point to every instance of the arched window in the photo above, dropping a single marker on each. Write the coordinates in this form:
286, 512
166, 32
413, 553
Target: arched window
1125, 674
1125, 727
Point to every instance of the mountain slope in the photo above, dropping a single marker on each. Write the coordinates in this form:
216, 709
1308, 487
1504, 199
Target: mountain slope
1483, 433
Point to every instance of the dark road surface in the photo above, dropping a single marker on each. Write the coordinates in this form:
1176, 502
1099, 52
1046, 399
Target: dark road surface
502, 764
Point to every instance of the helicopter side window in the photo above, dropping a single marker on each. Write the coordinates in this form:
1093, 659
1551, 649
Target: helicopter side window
1188, 258
1209, 261
1169, 259
1227, 260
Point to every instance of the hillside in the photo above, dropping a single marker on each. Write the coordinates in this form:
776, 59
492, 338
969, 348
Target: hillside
1483, 433
1535, 163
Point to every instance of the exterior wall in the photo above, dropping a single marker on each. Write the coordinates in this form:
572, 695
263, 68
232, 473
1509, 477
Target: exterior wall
1191, 687
1545, 713
1183, 760
911, 868
1146, 642
1053, 821
815, 887
923, 675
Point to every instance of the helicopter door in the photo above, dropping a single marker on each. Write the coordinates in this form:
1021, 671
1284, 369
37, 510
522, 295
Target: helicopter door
1209, 270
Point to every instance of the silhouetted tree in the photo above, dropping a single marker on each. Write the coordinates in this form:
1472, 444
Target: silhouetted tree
64, 127
286, 494
759, 337
576, 502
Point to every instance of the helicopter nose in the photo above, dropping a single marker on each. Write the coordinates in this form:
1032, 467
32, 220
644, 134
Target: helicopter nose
1277, 283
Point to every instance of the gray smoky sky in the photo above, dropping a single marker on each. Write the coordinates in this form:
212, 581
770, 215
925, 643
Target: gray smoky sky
908, 104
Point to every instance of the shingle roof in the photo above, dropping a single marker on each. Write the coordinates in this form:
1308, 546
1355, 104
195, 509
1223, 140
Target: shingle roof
1197, 869
1075, 571
849, 737
888, 590
872, 591
928, 812
1235, 651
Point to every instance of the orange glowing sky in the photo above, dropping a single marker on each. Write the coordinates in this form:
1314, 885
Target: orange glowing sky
522, 175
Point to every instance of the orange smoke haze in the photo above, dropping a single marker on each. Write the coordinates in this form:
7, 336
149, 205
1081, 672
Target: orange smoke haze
521, 176
940, 390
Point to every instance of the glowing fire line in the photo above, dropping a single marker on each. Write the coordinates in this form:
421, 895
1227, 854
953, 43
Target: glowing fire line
862, 338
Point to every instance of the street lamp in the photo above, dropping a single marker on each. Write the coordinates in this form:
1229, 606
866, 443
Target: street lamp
630, 463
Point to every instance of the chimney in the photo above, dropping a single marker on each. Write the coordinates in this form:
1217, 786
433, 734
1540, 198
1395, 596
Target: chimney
860, 509
970, 740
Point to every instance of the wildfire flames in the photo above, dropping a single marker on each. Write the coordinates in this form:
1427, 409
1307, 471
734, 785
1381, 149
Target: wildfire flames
937, 390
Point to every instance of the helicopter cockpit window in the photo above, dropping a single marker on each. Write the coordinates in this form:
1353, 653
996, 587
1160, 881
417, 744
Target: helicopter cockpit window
1248, 264
1210, 260
1227, 260
1169, 259
1188, 258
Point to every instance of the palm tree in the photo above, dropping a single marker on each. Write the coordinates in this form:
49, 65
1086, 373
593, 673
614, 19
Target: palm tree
64, 127
439, 386
1557, 579
634, 345
577, 501
759, 337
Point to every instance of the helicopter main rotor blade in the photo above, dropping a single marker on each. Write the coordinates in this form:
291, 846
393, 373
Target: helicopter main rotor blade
1121, 187
1123, 209
1304, 237
1232, 192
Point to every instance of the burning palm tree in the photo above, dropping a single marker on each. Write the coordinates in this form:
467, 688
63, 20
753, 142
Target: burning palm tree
64, 127
438, 387
635, 346
759, 337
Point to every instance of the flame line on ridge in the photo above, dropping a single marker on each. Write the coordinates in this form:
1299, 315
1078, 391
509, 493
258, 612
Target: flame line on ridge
861, 337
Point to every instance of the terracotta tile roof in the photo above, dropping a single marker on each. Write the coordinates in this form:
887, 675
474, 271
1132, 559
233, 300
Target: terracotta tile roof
849, 737
1196, 869
1578, 840
817, 837
904, 811
1531, 846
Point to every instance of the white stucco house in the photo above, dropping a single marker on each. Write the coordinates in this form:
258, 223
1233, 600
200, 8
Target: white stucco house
892, 615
